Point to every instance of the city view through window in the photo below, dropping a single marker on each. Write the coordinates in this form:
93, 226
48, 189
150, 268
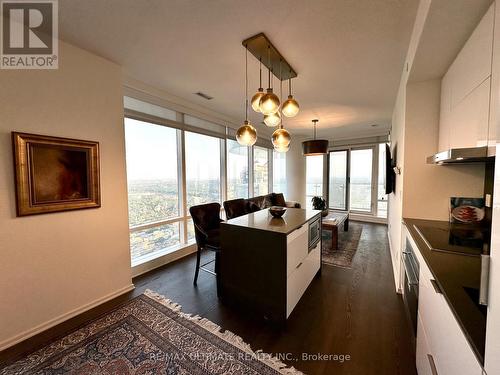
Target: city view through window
158, 222
156, 216
361, 164
237, 170
314, 178
260, 171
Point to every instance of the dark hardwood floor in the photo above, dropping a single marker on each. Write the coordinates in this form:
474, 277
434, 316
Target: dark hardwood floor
351, 312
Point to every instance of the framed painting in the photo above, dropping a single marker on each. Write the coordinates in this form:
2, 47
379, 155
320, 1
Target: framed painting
55, 174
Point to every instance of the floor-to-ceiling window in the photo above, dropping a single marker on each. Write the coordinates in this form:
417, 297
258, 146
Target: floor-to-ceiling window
203, 182
260, 171
381, 195
237, 170
314, 178
356, 177
153, 187
360, 187
337, 189
279, 172
175, 161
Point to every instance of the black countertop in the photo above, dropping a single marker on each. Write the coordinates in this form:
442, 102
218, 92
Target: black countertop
458, 276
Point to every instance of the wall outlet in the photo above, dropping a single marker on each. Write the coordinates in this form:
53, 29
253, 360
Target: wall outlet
487, 200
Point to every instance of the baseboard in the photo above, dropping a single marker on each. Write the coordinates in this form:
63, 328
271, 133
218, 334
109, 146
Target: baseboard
61, 318
163, 260
367, 218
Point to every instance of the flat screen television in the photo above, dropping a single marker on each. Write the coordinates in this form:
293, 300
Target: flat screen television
390, 176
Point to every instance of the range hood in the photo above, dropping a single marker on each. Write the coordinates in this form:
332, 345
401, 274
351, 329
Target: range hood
463, 155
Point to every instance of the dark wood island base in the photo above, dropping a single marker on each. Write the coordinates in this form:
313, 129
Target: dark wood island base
266, 264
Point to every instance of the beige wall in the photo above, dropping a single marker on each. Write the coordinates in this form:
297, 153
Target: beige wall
398, 142
394, 216
296, 172
56, 265
428, 188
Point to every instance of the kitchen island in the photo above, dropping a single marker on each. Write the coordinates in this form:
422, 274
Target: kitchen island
266, 264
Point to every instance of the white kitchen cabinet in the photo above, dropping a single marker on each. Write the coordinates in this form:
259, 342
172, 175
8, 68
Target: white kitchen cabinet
441, 344
469, 118
445, 115
473, 64
302, 275
424, 359
297, 243
465, 91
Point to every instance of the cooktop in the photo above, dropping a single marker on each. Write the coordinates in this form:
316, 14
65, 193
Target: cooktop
455, 238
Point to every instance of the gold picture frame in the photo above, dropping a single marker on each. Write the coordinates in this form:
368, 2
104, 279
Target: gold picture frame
54, 174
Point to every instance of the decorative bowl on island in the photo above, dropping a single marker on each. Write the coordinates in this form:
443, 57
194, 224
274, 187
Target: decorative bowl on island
277, 211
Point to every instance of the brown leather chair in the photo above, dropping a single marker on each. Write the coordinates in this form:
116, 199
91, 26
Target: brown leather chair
235, 208
206, 220
240, 206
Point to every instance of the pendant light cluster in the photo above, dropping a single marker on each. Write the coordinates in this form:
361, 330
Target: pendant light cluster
268, 104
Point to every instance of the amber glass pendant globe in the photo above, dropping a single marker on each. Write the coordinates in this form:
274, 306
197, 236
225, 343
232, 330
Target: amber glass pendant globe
290, 107
272, 120
269, 103
246, 134
282, 149
256, 99
281, 138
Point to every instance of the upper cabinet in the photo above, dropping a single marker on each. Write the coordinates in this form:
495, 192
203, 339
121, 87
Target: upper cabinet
495, 86
465, 91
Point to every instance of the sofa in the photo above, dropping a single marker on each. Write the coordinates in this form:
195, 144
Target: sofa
241, 206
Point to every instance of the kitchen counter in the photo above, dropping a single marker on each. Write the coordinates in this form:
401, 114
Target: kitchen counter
291, 220
266, 264
458, 277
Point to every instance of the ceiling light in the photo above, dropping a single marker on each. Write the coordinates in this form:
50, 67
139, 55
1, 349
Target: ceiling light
269, 103
282, 148
290, 107
273, 119
256, 99
260, 92
281, 138
315, 146
246, 134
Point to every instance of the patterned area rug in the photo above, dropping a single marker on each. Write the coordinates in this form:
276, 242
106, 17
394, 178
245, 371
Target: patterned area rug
149, 335
348, 244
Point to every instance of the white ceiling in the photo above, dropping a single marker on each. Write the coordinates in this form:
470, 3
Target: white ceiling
348, 54
448, 26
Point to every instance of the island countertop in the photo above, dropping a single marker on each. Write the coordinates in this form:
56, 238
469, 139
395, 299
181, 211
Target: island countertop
263, 220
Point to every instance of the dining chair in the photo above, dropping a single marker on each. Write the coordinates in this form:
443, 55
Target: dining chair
206, 220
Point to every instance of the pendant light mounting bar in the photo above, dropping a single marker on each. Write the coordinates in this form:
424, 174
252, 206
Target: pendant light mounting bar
260, 46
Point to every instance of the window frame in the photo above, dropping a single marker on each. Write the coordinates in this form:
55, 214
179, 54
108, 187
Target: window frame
324, 193
347, 178
226, 174
269, 169
151, 260
374, 178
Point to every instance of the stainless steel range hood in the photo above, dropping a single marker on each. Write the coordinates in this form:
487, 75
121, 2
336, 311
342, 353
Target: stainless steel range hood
462, 155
